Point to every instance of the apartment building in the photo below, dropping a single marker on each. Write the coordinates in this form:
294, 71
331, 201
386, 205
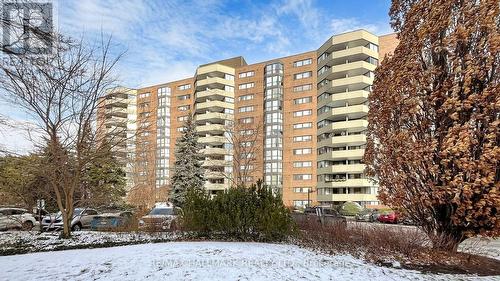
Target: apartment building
116, 121
297, 122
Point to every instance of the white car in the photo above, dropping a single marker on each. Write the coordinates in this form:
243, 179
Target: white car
16, 218
82, 218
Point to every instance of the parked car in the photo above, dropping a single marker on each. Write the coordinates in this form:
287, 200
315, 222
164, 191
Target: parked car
388, 217
369, 215
16, 218
39, 213
82, 217
162, 217
110, 221
324, 215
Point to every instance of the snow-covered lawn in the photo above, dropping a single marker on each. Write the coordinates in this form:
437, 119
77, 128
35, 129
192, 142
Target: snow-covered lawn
12, 242
201, 261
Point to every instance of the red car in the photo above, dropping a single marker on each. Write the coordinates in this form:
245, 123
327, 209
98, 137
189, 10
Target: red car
388, 217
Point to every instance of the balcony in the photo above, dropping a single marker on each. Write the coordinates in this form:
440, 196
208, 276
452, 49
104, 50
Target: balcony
342, 155
213, 140
348, 168
214, 82
354, 83
214, 175
206, 69
346, 183
215, 186
346, 197
210, 129
214, 117
352, 140
351, 69
116, 111
116, 121
339, 99
352, 112
214, 151
341, 126
215, 163
214, 105
213, 94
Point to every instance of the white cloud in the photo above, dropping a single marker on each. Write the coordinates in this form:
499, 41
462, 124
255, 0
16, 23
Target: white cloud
18, 137
340, 25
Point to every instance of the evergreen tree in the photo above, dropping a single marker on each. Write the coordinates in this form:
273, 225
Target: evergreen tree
187, 172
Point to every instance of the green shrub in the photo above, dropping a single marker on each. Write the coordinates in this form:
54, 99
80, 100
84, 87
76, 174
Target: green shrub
242, 213
350, 209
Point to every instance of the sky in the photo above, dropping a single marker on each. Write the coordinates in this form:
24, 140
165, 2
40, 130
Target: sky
165, 40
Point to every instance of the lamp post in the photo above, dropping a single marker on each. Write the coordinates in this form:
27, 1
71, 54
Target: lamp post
309, 191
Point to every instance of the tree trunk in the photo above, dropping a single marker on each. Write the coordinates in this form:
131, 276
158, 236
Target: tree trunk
66, 224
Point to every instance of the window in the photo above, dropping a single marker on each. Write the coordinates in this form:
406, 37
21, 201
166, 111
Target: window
302, 164
181, 129
246, 132
302, 88
144, 95
273, 81
246, 97
302, 113
245, 109
302, 100
246, 86
163, 91
300, 203
184, 87
302, 138
302, 62
247, 120
182, 118
246, 74
184, 97
323, 69
228, 77
302, 75
301, 177
302, 151
302, 125
183, 108
301, 189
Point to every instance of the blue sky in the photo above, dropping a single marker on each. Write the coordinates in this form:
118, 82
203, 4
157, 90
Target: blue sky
166, 40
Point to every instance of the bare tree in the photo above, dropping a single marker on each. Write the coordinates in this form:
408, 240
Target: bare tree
247, 141
61, 92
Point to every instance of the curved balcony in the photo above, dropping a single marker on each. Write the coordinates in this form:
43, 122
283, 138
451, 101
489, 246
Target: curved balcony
350, 126
348, 168
352, 140
213, 82
214, 117
338, 99
214, 151
214, 140
351, 69
216, 94
213, 105
346, 183
346, 197
342, 155
352, 112
210, 129
354, 83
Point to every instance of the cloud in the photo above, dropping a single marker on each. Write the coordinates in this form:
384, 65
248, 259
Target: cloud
18, 137
341, 25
